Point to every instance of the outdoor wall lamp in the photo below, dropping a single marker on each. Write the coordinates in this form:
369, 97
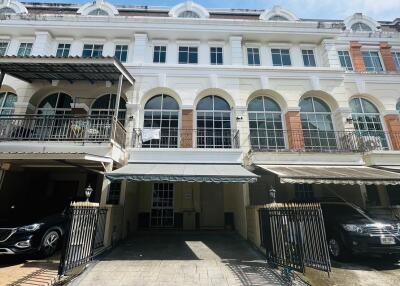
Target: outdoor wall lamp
272, 194
349, 120
88, 192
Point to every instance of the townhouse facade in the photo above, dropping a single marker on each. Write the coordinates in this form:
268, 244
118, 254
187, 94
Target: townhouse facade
217, 107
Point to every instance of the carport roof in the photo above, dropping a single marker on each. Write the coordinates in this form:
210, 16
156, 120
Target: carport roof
343, 175
70, 68
202, 173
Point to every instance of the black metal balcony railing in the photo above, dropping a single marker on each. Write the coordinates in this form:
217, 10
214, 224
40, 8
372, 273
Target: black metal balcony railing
323, 141
186, 138
93, 129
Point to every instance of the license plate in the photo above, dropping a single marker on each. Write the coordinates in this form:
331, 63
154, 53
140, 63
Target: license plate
387, 240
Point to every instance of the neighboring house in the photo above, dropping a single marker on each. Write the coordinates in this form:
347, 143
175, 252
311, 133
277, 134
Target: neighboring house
210, 101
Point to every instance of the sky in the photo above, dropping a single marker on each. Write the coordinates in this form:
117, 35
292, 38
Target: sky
319, 9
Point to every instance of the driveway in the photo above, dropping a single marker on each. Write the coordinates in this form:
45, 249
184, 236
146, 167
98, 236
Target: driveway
180, 258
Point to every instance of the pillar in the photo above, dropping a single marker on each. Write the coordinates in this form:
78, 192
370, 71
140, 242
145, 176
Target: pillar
42, 44
236, 50
356, 56
187, 132
330, 55
132, 116
293, 126
393, 127
140, 48
387, 58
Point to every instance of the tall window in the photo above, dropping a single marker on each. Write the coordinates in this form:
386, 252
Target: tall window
303, 192
25, 49
265, 121
281, 57
361, 27
105, 106
367, 121
308, 58
188, 55
253, 56
396, 59
63, 50
188, 14
92, 51
372, 61
398, 106
161, 122
216, 56
7, 101
3, 48
345, 60
121, 52
213, 123
55, 104
159, 54
114, 194
316, 124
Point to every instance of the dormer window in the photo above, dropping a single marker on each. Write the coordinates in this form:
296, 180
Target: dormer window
278, 18
188, 14
361, 27
98, 12
7, 10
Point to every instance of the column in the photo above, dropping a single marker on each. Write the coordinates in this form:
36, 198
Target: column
242, 125
293, 126
76, 48
22, 106
392, 121
236, 50
342, 117
139, 48
187, 132
132, 116
13, 47
296, 56
356, 56
42, 44
387, 58
330, 55
108, 49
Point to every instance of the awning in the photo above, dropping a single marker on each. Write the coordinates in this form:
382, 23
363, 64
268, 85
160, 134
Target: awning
389, 168
342, 175
202, 173
70, 69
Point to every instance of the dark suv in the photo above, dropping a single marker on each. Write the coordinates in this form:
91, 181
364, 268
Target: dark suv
31, 231
351, 230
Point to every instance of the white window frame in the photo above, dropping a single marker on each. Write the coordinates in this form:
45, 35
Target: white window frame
7, 42
64, 43
396, 59
166, 53
280, 53
351, 60
183, 45
372, 50
92, 49
222, 54
25, 48
127, 51
258, 47
313, 54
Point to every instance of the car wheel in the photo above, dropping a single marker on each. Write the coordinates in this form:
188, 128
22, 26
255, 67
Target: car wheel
49, 243
336, 249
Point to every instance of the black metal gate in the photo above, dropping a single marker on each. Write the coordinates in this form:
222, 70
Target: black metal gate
294, 236
84, 234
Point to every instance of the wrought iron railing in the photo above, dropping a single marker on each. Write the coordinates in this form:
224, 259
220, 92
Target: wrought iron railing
95, 129
186, 138
323, 141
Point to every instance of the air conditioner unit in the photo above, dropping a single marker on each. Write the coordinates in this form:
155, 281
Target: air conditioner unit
370, 143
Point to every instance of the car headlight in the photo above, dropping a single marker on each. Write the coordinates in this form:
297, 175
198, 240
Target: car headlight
30, 228
352, 228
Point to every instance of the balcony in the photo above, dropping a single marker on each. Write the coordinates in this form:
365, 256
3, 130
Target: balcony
206, 138
62, 128
360, 141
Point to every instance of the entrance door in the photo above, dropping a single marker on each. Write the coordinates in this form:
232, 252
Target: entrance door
212, 206
162, 212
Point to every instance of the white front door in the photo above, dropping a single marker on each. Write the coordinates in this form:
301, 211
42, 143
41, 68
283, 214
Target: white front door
162, 212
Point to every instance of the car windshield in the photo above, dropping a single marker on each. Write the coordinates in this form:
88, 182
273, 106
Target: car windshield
344, 211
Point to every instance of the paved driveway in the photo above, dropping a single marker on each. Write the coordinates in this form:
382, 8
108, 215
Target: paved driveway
180, 258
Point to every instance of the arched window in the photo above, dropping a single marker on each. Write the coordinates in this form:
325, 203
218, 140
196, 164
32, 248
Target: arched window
278, 18
105, 106
7, 101
316, 124
213, 123
188, 14
398, 106
98, 12
367, 121
361, 27
161, 122
7, 10
55, 104
265, 121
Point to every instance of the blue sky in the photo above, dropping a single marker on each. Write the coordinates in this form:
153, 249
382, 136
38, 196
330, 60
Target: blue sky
327, 9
